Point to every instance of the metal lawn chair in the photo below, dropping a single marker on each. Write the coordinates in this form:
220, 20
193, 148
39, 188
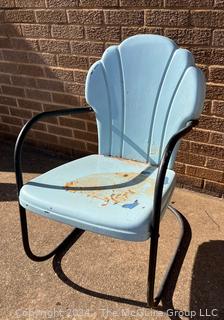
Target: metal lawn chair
147, 94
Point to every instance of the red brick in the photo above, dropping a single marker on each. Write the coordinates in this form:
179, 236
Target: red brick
10, 30
218, 38
65, 99
87, 47
22, 16
103, 33
167, 18
190, 158
98, 3
55, 46
72, 143
201, 55
215, 91
30, 70
9, 101
59, 130
189, 181
36, 31
91, 147
207, 150
91, 127
73, 62
214, 188
86, 17
204, 173
7, 4
92, 60
51, 16
217, 138
13, 91
42, 58
17, 56
4, 78
5, 43
24, 44
184, 145
30, 4
4, 128
86, 136
179, 167
219, 4
50, 85
217, 56
131, 31
127, 17
74, 88
80, 76
60, 74
39, 126
72, 123
189, 3
38, 95
198, 135
12, 120
4, 110
216, 74
216, 164
142, 3
218, 108
23, 81
62, 4
29, 104
46, 137
67, 32
207, 107
211, 123
207, 18
189, 36
21, 113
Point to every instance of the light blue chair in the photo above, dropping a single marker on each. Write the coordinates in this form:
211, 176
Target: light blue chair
146, 94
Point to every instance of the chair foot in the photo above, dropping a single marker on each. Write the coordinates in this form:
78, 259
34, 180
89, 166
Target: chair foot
74, 235
151, 300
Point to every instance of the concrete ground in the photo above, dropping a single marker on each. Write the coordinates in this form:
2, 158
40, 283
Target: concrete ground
103, 278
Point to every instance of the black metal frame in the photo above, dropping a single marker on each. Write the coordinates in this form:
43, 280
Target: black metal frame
76, 233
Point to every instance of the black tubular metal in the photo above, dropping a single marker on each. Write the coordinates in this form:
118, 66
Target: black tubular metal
76, 233
157, 212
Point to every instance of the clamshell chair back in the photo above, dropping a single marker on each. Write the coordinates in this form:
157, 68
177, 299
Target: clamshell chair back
147, 94
143, 91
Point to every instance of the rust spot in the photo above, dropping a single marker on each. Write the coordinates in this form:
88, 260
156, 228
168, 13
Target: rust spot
112, 188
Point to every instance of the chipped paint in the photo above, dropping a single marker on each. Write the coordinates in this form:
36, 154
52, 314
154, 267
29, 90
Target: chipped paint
113, 188
131, 205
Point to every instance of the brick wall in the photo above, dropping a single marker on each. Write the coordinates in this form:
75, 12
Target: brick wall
48, 45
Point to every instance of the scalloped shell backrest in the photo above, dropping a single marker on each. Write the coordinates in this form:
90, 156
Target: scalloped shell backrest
143, 91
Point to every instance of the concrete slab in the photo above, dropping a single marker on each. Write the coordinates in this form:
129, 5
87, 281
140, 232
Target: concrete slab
103, 278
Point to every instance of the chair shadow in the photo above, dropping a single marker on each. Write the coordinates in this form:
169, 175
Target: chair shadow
8, 192
167, 303
207, 287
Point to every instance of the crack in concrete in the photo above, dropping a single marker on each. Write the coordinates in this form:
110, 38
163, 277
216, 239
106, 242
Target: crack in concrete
212, 220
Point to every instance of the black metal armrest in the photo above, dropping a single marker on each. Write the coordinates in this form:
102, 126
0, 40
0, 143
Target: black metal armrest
25, 130
162, 172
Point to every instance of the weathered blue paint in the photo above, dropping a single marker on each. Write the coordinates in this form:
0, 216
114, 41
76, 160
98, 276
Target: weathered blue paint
143, 91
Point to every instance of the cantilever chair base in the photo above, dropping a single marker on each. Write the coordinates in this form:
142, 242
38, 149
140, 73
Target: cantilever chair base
77, 233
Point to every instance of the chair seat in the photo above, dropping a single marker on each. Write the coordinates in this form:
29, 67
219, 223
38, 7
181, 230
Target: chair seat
103, 194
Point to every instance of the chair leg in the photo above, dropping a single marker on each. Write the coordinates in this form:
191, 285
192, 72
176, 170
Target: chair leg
151, 300
75, 234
